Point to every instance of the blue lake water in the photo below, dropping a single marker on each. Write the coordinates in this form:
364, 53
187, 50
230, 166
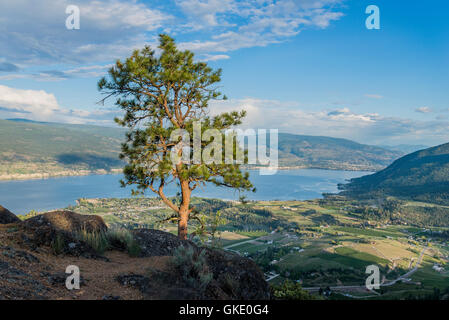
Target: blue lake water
47, 194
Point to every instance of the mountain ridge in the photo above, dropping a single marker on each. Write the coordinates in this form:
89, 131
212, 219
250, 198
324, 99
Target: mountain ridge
43, 149
422, 175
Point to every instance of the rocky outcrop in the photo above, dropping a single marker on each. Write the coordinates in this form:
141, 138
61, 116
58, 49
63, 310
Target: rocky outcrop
30, 267
238, 277
7, 216
68, 221
234, 277
17, 284
59, 229
157, 243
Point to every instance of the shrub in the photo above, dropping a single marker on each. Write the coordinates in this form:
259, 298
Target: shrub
192, 266
58, 244
96, 240
123, 239
290, 290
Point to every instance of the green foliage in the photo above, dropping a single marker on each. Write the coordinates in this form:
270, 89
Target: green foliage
421, 176
161, 95
290, 290
208, 228
192, 266
12, 229
58, 244
112, 239
123, 238
96, 240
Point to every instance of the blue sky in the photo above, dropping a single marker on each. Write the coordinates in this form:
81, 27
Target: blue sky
302, 66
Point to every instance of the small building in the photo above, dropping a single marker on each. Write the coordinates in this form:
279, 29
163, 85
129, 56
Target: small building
438, 268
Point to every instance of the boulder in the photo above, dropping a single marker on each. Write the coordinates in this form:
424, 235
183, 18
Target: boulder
157, 243
69, 221
234, 276
7, 216
58, 230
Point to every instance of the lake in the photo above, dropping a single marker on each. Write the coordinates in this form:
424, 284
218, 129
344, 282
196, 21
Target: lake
47, 194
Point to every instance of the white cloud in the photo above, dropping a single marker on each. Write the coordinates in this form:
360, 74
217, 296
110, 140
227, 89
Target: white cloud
214, 57
43, 106
374, 96
370, 128
204, 13
34, 32
288, 117
94, 71
264, 22
423, 110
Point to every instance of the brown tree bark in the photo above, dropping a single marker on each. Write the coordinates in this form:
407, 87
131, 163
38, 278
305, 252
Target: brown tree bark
184, 210
182, 224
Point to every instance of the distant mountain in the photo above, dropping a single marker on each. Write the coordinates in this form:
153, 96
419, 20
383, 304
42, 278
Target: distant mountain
25, 120
405, 148
29, 147
332, 153
422, 175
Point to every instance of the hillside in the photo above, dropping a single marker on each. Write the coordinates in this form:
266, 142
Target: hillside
422, 175
405, 148
35, 149
322, 242
40, 149
332, 153
141, 264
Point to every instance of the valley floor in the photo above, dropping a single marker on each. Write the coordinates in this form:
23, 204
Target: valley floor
318, 243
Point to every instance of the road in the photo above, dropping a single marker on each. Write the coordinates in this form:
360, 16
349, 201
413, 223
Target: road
403, 277
400, 278
240, 243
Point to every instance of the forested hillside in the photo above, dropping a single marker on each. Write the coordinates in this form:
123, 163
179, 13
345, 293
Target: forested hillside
422, 175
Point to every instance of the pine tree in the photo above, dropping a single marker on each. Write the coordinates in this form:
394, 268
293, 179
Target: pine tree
160, 94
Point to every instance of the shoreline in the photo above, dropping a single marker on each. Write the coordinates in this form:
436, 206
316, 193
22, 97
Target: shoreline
73, 173
58, 174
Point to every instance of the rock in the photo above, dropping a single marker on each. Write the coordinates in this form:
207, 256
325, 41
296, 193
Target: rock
58, 230
237, 276
69, 221
13, 253
164, 287
134, 280
111, 297
234, 277
21, 285
60, 278
157, 243
7, 216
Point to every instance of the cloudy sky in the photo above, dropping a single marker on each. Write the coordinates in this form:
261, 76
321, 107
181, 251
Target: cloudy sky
302, 66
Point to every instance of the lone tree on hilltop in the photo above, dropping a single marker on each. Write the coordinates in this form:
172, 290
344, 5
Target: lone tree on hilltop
161, 94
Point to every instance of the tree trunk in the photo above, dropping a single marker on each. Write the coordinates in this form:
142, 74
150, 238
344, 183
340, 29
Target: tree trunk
184, 210
182, 224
